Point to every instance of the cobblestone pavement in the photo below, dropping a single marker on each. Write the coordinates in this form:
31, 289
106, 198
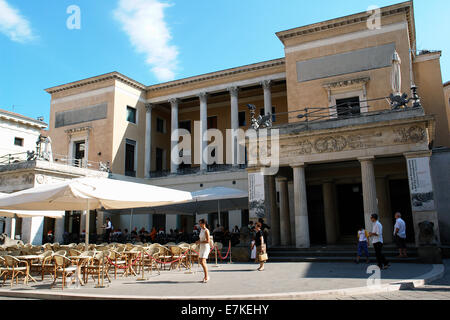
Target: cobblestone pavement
437, 290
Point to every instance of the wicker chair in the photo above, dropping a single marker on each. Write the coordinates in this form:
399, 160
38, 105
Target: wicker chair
96, 265
63, 266
148, 258
37, 265
117, 260
14, 267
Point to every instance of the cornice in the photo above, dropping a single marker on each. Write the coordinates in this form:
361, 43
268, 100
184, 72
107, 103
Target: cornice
96, 79
405, 7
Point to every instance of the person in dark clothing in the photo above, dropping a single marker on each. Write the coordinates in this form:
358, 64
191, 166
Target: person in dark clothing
108, 230
265, 229
260, 244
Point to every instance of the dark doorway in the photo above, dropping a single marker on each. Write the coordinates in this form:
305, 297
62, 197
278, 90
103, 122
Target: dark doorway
49, 225
350, 208
80, 148
159, 159
159, 221
316, 218
130, 147
401, 202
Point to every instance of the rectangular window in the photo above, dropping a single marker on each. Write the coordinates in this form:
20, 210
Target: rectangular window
212, 122
242, 119
185, 125
131, 114
160, 125
130, 150
18, 142
159, 159
261, 112
347, 107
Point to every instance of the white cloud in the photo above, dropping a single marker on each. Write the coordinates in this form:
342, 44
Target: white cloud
13, 25
143, 21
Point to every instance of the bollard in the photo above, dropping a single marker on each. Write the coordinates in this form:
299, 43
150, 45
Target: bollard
215, 253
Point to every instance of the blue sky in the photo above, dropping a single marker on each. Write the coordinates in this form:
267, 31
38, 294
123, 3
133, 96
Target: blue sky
175, 39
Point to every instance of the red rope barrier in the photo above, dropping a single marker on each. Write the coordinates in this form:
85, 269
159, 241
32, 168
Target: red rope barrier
228, 252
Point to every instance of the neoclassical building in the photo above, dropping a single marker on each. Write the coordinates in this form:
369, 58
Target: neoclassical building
344, 151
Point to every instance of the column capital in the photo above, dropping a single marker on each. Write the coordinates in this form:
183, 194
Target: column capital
203, 96
368, 158
418, 154
174, 101
149, 107
266, 84
233, 90
298, 165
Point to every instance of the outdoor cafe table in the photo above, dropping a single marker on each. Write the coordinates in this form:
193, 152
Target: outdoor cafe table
29, 259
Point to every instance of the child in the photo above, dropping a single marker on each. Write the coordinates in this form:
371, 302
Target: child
253, 249
362, 237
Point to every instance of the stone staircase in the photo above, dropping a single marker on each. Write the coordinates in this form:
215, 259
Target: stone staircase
336, 253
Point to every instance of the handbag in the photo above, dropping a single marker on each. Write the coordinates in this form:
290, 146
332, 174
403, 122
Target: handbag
263, 256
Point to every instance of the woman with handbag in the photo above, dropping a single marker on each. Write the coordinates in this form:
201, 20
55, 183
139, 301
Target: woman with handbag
260, 246
205, 247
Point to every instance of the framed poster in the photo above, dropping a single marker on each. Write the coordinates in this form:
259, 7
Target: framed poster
420, 185
256, 195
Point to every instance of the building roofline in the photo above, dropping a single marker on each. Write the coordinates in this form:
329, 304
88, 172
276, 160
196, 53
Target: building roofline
406, 7
219, 74
107, 76
18, 116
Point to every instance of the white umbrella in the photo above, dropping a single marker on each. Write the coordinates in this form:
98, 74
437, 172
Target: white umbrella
92, 193
396, 74
28, 213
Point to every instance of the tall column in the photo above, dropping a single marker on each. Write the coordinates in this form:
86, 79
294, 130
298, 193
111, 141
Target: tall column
203, 127
369, 190
285, 221
100, 221
148, 140
266, 84
174, 126
330, 211
301, 207
234, 121
59, 229
292, 210
272, 214
384, 209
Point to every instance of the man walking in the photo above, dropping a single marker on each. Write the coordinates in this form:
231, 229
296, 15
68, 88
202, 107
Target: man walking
400, 235
108, 230
377, 241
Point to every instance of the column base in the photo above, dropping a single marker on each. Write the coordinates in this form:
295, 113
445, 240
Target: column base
302, 232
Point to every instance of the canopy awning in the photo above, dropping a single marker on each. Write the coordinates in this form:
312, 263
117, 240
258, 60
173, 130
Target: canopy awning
28, 213
98, 192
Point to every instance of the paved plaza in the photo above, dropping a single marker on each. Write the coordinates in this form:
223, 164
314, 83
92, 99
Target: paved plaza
241, 281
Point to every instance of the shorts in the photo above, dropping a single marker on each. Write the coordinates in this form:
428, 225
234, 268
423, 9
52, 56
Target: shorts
362, 247
401, 242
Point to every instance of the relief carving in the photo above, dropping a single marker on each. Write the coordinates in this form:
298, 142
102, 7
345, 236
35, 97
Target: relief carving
412, 134
330, 144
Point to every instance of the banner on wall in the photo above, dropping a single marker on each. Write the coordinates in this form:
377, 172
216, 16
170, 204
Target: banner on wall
420, 185
256, 195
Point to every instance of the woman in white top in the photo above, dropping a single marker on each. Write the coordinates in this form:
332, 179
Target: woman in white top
204, 248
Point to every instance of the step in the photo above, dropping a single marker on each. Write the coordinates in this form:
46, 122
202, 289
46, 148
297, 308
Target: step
336, 259
330, 253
